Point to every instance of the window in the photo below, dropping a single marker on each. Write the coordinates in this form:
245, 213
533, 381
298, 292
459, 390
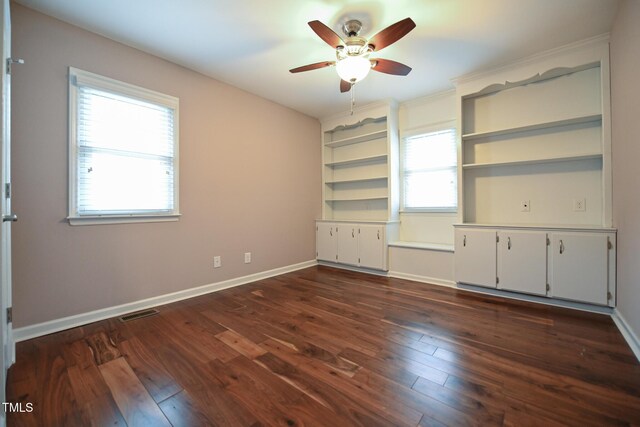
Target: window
123, 152
429, 172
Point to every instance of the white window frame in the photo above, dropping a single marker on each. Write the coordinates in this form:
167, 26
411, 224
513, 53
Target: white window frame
85, 78
431, 128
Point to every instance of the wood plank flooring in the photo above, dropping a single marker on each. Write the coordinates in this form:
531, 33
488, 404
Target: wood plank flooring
326, 347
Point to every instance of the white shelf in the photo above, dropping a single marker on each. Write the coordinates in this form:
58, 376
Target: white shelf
357, 160
357, 139
348, 181
356, 199
536, 126
533, 161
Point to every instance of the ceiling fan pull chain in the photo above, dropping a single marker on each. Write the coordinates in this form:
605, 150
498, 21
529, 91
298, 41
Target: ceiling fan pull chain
353, 97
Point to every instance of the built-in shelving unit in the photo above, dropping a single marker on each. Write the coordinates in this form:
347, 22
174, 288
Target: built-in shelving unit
540, 140
360, 199
360, 155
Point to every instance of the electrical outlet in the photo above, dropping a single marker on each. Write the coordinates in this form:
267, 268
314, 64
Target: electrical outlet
217, 262
579, 205
247, 257
525, 206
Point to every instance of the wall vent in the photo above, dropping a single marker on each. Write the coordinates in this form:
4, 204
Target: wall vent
138, 315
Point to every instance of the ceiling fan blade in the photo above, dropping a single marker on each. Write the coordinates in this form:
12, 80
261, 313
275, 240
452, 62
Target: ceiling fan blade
345, 86
391, 34
390, 67
326, 34
310, 67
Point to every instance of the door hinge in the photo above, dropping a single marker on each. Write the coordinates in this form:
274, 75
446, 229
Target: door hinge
358, 260
548, 241
9, 314
11, 61
336, 257
609, 244
7, 190
609, 296
497, 239
548, 287
497, 280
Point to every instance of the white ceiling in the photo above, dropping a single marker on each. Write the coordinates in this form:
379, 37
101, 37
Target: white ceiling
252, 44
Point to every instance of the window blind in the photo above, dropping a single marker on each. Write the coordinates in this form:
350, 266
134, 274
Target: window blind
429, 168
125, 154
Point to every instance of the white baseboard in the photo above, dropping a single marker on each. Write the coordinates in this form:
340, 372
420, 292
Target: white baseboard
40, 329
423, 279
627, 332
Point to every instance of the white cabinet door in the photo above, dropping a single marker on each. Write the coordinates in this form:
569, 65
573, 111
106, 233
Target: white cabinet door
579, 267
347, 243
326, 241
372, 247
522, 261
475, 257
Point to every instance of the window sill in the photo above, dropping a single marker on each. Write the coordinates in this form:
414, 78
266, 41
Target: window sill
441, 247
120, 219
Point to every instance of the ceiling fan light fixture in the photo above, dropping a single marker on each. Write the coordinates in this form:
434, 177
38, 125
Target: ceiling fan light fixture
352, 69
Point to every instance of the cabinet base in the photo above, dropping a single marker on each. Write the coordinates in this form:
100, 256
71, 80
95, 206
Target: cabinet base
537, 299
353, 268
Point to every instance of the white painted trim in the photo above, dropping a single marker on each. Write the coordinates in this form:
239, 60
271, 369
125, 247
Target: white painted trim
120, 219
422, 279
40, 329
626, 331
532, 59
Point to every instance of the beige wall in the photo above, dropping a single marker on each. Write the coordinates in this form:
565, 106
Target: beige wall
625, 106
249, 182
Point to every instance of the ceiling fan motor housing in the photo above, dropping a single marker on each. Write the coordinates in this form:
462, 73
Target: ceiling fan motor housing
352, 27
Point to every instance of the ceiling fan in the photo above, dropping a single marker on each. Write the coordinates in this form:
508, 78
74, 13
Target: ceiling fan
352, 54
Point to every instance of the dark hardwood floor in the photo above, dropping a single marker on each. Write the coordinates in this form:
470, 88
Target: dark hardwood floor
329, 347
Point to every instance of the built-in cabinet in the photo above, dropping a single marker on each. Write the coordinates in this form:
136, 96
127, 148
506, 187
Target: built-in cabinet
475, 257
355, 244
534, 177
577, 265
522, 261
580, 266
360, 190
